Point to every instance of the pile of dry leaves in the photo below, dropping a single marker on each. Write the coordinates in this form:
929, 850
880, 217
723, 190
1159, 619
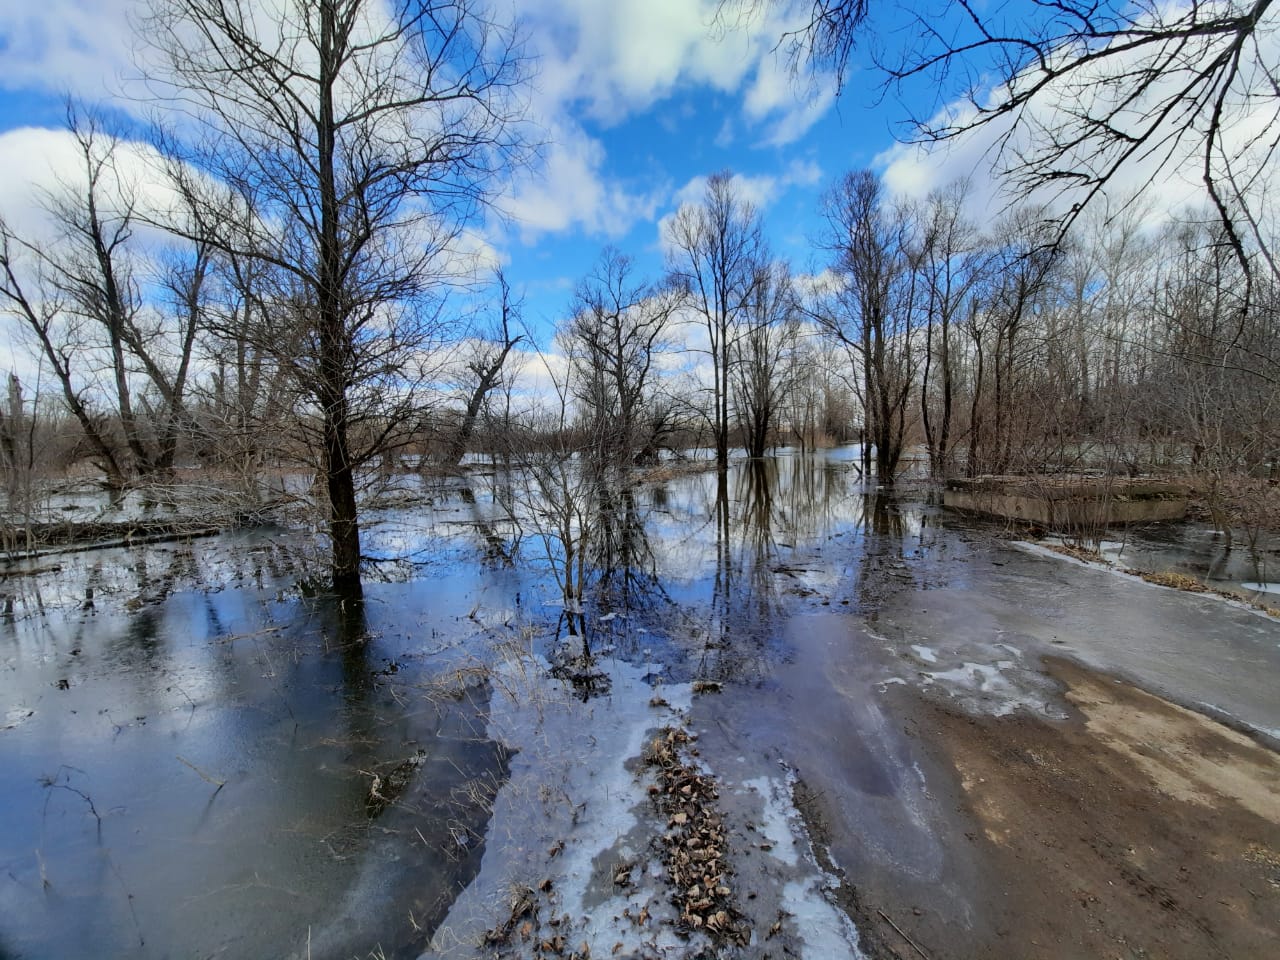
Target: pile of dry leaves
694, 846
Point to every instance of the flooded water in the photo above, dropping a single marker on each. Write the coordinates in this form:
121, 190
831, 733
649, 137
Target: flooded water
204, 759
1197, 549
188, 759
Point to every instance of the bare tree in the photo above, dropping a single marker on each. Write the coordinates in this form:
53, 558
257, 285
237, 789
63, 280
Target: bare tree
716, 250
485, 368
1023, 271
39, 309
359, 139
954, 263
81, 297
873, 313
240, 408
616, 332
766, 366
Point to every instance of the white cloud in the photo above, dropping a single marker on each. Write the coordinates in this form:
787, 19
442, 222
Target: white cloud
623, 56
786, 105
569, 191
41, 163
760, 191
607, 61
603, 61
81, 47
1168, 174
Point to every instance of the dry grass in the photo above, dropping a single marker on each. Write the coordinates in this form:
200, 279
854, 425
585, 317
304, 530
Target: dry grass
1189, 584
666, 472
1076, 553
1178, 581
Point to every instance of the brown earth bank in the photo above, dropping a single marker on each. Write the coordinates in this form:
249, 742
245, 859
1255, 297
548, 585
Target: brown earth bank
1134, 829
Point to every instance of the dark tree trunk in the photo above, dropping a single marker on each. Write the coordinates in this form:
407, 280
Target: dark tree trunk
344, 526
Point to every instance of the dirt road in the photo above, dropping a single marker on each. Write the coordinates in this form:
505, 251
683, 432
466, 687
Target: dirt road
978, 765
1134, 828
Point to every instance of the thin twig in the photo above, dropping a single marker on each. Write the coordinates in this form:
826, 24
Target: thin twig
204, 776
232, 637
914, 945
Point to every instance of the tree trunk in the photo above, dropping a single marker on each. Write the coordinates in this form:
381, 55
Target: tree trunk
344, 527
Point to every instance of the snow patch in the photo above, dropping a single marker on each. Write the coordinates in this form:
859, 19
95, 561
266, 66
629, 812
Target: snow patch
575, 794
824, 929
776, 818
992, 688
16, 716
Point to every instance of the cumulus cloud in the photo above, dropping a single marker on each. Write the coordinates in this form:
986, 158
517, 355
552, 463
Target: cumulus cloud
775, 101
43, 165
620, 57
760, 190
1168, 172
570, 190
606, 62
81, 47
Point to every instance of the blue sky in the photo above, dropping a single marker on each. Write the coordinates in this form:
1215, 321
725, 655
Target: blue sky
639, 98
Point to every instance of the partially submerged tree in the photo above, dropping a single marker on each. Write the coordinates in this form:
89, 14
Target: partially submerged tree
954, 263
767, 367
715, 252
486, 368
873, 310
80, 299
614, 337
354, 141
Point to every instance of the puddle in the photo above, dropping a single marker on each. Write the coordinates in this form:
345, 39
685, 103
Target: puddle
1198, 550
1273, 588
188, 770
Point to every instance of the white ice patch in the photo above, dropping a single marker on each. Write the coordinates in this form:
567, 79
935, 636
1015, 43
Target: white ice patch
1042, 551
16, 716
990, 687
776, 818
569, 790
1262, 587
927, 654
824, 929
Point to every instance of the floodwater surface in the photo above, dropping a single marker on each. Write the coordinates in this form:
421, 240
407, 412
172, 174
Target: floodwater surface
202, 758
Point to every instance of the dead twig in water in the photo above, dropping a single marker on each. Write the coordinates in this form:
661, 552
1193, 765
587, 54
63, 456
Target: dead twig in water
233, 637
62, 781
204, 776
915, 946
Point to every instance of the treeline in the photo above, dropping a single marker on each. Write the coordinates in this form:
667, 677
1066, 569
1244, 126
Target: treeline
997, 350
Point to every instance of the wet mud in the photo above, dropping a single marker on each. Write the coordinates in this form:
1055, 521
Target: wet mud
1133, 829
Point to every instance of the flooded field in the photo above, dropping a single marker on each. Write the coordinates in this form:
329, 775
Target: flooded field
203, 758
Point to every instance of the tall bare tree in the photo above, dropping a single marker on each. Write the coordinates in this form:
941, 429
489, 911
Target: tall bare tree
766, 368
954, 263
716, 250
486, 368
123, 364
873, 313
358, 140
617, 330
